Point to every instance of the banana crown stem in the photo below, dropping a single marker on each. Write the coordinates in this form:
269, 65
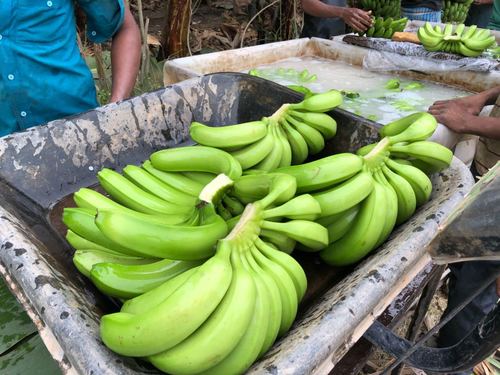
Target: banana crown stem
215, 189
378, 154
248, 226
279, 114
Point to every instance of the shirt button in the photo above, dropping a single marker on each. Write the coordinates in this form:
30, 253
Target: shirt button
10, 77
23, 114
1, 36
49, 3
93, 33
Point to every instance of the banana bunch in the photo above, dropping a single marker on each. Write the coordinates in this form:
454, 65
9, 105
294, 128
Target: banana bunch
160, 221
382, 8
220, 316
455, 11
385, 28
363, 196
287, 137
470, 42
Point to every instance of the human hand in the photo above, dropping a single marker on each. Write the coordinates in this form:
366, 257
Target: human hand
482, 2
451, 114
358, 19
472, 104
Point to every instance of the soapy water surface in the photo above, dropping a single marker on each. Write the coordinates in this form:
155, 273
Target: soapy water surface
375, 101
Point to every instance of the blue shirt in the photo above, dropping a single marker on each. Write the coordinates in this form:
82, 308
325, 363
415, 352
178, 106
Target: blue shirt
42, 73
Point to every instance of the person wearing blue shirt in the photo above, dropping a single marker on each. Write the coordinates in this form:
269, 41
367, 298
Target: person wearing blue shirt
43, 75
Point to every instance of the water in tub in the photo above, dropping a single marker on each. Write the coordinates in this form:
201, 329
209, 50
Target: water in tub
376, 101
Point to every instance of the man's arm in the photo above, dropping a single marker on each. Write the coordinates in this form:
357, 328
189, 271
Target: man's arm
460, 115
125, 57
356, 18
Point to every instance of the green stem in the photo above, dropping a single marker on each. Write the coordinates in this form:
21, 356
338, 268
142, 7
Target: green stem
215, 189
378, 154
278, 115
248, 227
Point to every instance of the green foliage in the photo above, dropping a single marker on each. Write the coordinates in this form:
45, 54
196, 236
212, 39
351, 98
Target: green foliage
150, 82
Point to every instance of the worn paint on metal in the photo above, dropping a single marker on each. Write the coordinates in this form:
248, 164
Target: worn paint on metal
41, 166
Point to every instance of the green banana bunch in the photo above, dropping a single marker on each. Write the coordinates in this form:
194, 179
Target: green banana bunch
470, 42
221, 315
361, 210
128, 280
385, 28
287, 137
455, 11
382, 8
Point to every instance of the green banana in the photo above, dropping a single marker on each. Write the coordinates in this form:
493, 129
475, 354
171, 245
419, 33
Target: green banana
286, 288
153, 239
132, 196
398, 126
175, 179
228, 136
254, 187
273, 159
288, 263
297, 143
173, 319
302, 207
431, 153
407, 201
364, 233
322, 122
391, 208
80, 243
311, 234
84, 260
82, 222
341, 223
323, 102
219, 334
233, 205
314, 139
345, 195
203, 178
286, 149
91, 199
418, 180
149, 300
324, 172
196, 159
280, 240
151, 184
248, 348
277, 309
130, 280
420, 129
254, 153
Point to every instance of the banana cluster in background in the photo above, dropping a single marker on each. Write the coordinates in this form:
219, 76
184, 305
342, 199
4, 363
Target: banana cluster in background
385, 191
471, 41
455, 10
196, 242
382, 8
287, 137
384, 28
